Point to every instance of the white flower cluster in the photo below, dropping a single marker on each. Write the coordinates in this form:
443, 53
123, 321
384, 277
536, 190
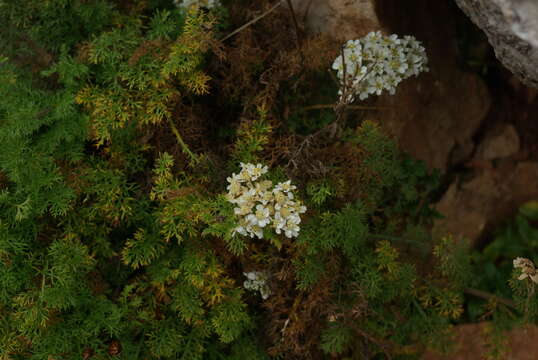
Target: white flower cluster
187, 4
259, 204
527, 269
375, 63
257, 281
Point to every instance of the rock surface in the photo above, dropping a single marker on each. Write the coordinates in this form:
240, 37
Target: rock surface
512, 29
340, 19
499, 142
434, 116
492, 195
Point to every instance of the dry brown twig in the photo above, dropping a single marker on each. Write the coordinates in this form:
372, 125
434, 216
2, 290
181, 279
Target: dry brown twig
350, 107
487, 296
256, 19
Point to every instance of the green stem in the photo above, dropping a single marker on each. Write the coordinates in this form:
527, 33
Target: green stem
422, 246
194, 159
420, 309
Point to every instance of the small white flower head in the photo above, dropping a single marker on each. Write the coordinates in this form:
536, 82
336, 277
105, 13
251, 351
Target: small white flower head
528, 269
260, 205
376, 63
257, 281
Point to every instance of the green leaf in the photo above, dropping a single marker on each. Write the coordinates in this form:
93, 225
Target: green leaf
530, 210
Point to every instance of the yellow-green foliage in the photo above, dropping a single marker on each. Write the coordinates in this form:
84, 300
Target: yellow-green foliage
143, 71
187, 54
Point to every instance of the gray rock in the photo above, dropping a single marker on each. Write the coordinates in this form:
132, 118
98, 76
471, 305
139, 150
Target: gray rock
340, 19
512, 29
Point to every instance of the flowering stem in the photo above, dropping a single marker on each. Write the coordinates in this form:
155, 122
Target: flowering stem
527, 302
194, 159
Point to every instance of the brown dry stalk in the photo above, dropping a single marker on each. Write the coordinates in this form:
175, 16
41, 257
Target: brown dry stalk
488, 296
256, 19
352, 107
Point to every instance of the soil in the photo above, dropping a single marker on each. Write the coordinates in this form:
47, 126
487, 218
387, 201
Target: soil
474, 342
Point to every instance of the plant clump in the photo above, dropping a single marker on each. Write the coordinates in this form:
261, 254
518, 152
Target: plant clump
124, 236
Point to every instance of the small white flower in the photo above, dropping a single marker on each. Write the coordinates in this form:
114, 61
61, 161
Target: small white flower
255, 231
291, 232
280, 196
528, 270
244, 209
241, 230
234, 188
338, 64
257, 281
285, 186
253, 172
250, 275
264, 291
262, 215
